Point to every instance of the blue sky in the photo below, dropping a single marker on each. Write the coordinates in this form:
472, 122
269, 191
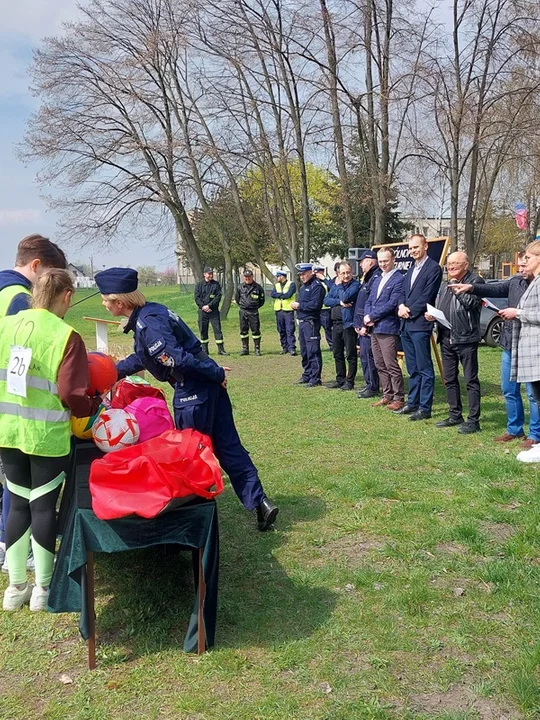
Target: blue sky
24, 23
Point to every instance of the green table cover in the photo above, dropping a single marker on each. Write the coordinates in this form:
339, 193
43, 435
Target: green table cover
193, 525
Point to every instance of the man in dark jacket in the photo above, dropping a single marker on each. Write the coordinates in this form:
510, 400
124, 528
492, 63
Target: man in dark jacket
341, 299
459, 343
513, 288
249, 297
370, 271
207, 299
308, 311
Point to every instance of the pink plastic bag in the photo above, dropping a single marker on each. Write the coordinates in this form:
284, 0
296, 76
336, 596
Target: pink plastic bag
152, 415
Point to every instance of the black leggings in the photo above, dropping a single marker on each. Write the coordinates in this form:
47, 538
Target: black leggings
34, 483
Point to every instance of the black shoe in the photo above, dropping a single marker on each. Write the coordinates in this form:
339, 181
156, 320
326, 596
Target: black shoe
283, 352
366, 394
449, 422
221, 350
267, 513
347, 386
334, 385
469, 427
301, 382
420, 415
293, 352
406, 410
315, 384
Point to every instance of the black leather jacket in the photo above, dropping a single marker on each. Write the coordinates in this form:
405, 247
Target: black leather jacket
462, 312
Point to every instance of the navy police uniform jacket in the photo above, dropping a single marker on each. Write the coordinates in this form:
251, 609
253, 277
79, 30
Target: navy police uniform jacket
310, 299
167, 348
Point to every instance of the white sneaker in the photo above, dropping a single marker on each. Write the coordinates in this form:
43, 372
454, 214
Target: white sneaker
15, 599
530, 456
39, 599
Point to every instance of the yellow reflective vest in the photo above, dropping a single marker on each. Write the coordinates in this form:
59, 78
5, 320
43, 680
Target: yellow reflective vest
7, 294
283, 304
37, 424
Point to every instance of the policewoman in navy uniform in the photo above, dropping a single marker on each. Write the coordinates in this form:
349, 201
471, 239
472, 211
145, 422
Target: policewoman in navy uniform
167, 348
308, 311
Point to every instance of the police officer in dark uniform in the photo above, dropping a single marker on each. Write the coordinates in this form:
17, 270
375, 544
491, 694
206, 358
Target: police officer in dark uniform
207, 299
326, 314
308, 311
249, 297
167, 348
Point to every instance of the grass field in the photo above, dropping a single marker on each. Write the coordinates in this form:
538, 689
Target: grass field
402, 580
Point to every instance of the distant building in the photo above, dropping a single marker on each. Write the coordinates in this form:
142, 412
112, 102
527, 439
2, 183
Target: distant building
81, 279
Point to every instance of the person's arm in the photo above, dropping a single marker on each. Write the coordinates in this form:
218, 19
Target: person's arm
481, 289
237, 295
331, 299
163, 347
276, 295
429, 294
262, 296
389, 307
348, 294
129, 366
470, 300
199, 302
213, 303
73, 379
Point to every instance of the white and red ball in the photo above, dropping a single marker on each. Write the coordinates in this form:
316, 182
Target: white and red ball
115, 429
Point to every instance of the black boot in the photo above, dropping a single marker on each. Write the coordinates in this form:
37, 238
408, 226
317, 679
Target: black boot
205, 346
257, 344
245, 346
267, 513
221, 349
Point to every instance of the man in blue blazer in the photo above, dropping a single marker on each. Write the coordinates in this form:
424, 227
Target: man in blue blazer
381, 319
420, 286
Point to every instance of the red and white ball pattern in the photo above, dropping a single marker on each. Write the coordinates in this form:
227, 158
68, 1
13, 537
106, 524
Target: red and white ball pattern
115, 429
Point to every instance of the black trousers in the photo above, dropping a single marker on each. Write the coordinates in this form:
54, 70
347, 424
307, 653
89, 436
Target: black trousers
249, 320
344, 351
211, 318
467, 355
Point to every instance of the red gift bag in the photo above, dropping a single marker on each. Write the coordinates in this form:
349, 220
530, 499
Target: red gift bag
144, 478
131, 388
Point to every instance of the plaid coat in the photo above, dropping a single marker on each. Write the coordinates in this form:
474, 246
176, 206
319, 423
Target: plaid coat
526, 337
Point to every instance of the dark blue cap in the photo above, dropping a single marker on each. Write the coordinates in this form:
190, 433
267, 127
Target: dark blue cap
303, 267
117, 281
368, 255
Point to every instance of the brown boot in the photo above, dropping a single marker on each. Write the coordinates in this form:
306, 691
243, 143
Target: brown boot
382, 401
395, 405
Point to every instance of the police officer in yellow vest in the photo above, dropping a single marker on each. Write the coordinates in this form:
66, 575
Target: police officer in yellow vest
284, 293
43, 379
34, 254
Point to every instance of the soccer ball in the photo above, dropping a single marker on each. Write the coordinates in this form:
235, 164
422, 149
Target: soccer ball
82, 427
115, 429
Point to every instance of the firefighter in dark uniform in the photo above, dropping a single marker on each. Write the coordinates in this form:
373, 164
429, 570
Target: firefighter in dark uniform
326, 315
308, 311
207, 299
167, 348
249, 297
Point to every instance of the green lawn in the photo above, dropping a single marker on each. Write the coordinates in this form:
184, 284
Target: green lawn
402, 580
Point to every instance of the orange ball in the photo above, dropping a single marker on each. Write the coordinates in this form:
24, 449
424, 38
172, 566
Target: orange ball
103, 373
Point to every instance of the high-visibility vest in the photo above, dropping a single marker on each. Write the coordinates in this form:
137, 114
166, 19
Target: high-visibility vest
7, 294
37, 424
283, 304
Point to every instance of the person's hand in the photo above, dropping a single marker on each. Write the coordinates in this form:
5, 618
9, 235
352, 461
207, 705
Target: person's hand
508, 313
224, 383
363, 332
403, 312
295, 305
367, 320
459, 288
357, 330
429, 317
206, 308
343, 304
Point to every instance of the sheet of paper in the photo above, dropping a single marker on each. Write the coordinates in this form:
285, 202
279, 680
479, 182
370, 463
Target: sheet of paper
439, 316
489, 304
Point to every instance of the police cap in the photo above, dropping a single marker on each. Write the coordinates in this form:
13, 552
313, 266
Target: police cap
117, 281
318, 268
280, 273
248, 273
368, 255
304, 267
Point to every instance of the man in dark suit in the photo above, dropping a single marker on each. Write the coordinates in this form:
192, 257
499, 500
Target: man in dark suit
420, 287
382, 320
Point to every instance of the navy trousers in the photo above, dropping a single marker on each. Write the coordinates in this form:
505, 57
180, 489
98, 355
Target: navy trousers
285, 326
326, 322
417, 349
371, 376
309, 332
206, 407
